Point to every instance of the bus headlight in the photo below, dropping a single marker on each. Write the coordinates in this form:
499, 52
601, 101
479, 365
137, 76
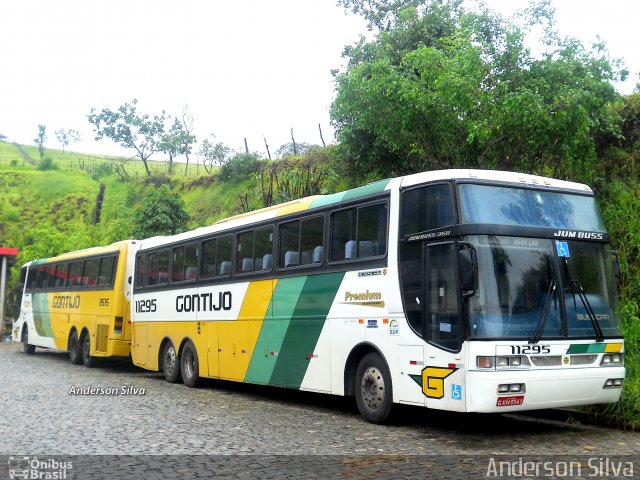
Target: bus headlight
613, 383
511, 388
513, 362
612, 359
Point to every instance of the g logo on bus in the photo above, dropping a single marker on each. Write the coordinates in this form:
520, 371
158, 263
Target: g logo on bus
433, 381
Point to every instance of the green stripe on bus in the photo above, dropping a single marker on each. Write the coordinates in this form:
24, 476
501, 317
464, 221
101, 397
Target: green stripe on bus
587, 348
263, 367
371, 189
301, 336
41, 317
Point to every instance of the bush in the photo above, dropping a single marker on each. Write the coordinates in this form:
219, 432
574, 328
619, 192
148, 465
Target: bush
47, 164
239, 168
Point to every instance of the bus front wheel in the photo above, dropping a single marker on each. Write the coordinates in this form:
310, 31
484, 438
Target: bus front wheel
26, 348
189, 365
75, 355
171, 363
87, 359
373, 388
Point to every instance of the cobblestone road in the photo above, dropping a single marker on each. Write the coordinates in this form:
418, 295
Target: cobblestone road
41, 417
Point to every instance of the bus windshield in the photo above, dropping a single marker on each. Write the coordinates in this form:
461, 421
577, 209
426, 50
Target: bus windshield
528, 207
517, 275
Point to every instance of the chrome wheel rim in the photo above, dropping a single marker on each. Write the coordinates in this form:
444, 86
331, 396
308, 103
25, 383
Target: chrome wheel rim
170, 360
373, 390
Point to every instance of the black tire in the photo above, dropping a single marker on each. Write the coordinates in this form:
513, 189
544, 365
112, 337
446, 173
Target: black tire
87, 359
189, 366
26, 348
75, 352
171, 363
374, 393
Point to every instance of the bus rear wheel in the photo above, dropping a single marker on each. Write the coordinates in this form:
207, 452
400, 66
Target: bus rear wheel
87, 359
189, 365
373, 389
26, 348
171, 363
75, 355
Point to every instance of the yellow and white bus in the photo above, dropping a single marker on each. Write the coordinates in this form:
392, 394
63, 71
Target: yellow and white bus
78, 302
461, 290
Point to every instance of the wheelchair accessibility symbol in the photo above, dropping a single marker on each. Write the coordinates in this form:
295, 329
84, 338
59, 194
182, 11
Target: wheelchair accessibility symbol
563, 249
456, 391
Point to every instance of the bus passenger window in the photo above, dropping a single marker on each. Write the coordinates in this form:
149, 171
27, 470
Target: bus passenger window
32, 278
224, 254
163, 267
301, 242
343, 230
185, 261
91, 270
140, 271
245, 253
75, 274
359, 233
61, 275
253, 248
51, 277
263, 248
105, 275
158, 273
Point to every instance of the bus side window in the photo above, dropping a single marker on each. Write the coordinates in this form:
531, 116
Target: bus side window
184, 266
91, 270
75, 274
140, 270
427, 208
61, 275
359, 232
31, 278
216, 257
105, 275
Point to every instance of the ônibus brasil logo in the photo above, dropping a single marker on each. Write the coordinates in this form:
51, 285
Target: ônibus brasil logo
36, 468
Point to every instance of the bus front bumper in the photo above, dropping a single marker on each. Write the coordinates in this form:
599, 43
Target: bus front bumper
542, 388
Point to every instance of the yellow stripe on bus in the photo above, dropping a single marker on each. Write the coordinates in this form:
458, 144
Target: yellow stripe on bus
237, 340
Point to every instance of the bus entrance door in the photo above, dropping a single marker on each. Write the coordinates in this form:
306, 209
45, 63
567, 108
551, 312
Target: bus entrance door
443, 375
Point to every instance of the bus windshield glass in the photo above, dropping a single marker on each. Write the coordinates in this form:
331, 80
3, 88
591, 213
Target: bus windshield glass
528, 207
515, 277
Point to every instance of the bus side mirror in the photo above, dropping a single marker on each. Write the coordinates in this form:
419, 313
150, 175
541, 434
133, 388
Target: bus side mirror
468, 270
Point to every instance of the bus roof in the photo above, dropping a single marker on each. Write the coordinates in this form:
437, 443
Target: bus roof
317, 201
87, 252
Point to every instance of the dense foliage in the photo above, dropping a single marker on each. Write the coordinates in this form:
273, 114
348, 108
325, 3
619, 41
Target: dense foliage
442, 86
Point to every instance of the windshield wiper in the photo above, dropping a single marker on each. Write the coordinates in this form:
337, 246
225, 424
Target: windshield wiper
544, 313
578, 289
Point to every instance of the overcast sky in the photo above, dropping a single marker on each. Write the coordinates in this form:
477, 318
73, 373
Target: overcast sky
245, 68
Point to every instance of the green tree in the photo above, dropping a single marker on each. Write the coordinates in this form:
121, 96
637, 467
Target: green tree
161, 212
213, 153
130, 129
40, 139
445, 87
65, 137
176, 141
